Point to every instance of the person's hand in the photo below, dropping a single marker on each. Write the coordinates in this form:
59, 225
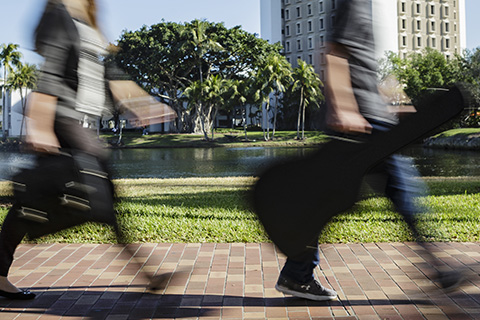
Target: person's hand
41, 136
348, 121
42, 140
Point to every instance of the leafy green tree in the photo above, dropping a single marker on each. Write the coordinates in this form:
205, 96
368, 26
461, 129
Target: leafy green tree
24, 77
166, 58
309, 85
9, 58
422, 72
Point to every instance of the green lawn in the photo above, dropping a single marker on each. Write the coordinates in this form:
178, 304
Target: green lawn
215, 210
222, 138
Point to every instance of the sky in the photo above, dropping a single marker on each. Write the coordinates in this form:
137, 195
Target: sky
19, 18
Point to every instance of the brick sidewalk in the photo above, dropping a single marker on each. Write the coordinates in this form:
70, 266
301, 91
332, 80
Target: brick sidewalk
236, 281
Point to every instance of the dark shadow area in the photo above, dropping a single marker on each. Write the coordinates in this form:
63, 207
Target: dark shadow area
98, 304
228, 200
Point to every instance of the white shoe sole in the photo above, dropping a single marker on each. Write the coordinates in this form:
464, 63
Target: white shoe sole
308, 296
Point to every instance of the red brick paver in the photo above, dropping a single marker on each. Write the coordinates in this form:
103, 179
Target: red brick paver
236, 281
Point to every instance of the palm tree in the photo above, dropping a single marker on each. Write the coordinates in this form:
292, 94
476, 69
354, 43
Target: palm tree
9, 57
25, 77
274, 76
309, 84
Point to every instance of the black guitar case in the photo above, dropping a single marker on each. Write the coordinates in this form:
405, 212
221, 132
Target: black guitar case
295, 199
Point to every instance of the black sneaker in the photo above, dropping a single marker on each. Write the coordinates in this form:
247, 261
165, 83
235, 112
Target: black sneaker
311, 290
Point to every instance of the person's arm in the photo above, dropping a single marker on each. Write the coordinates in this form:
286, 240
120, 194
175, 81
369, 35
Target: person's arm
343, 114
40, 123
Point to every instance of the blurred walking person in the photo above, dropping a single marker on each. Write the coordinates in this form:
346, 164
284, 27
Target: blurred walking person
70, 184
356, 110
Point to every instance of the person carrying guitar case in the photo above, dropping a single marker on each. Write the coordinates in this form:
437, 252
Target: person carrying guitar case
356, 109
69, 184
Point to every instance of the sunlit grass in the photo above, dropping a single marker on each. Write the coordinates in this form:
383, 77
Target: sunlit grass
215, 210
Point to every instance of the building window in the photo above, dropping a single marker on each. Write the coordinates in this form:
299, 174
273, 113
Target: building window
447, 27
404, 24
299, 28
287, 1
321, 24
309, 9
310, 26
432, 26
287, 46
333, 4
320, 7
287, 30
310, 43
322, 41
334, 20
310, 59
404, 41
299, 45
419, 25
418, 8
434, 42
322, 57
419, 42
447, 43
287, 14
288, 59
299, 12
403, 7
446, 11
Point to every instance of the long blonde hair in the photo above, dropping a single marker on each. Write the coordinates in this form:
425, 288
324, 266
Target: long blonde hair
85, 10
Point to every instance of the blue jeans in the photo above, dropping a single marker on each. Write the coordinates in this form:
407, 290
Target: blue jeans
401, 186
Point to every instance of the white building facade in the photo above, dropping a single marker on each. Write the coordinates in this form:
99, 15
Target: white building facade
11, 116
401, 26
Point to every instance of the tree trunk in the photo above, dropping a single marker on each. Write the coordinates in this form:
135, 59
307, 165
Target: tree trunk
303, 120
212, 121
23, 112
299, 113
275, 116
267, 107
244, 116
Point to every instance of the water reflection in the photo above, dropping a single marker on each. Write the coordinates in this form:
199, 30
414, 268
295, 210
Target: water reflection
221, 162
437, 162
196, 162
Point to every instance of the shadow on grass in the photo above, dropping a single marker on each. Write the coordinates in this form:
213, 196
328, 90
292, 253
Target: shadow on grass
225, 200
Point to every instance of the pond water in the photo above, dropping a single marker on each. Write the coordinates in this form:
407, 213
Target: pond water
221, 162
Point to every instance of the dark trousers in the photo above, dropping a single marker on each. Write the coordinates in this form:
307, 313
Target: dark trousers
72, 136
401, 187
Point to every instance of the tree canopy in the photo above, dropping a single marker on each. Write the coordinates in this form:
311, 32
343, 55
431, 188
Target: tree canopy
167, 58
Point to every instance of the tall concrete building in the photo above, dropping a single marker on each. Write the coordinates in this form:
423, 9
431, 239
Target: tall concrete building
401, 26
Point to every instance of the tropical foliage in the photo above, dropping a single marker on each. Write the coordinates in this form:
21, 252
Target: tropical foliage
9, 58
23, 78
167, 58
423, 73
